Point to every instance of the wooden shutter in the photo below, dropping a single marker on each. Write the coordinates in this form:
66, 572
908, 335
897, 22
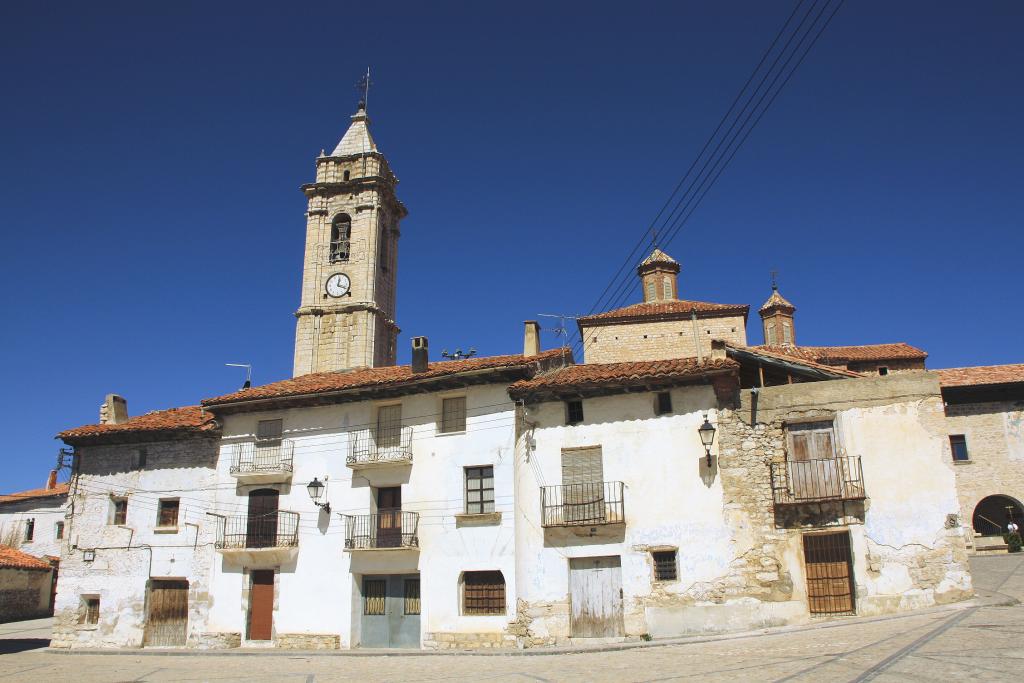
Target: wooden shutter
583, 485
389, 426
268, 432
453, 414
582, 466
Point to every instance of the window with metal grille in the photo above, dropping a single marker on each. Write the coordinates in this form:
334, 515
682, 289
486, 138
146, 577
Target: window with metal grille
453, 414
479, 490
665, 565
663, 403
90, 610
58, 530
573, 412
483, 593
30, 530
119, 511
375, 593
167, 513
412, 596
829, 565
958, 442
341, 237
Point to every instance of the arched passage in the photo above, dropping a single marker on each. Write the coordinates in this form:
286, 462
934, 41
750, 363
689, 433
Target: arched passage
994, 512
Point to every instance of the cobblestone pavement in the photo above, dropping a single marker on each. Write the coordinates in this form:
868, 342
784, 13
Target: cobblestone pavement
980, 643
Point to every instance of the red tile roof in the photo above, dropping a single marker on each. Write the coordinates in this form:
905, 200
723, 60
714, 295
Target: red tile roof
847, 354
667, 309
12, 558
187, 420
58, 490
597, 375
776, 300
394, 376
782, 353
981, 374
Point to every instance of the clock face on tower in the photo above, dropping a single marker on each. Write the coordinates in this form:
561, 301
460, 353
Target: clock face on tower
338, 285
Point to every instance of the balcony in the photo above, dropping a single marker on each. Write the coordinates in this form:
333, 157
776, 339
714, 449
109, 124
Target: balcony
252, 463
270, 537
588, 504
813, 481
386, 530
379, 447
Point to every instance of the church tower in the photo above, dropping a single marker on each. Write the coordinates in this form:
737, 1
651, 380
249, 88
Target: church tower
777, 319
658, 276
347, 314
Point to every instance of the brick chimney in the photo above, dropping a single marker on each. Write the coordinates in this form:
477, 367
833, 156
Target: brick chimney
51, 481
114, 410
531, 338
420, 356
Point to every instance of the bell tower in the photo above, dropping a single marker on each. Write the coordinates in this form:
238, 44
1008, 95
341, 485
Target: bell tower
777, 319
346, 318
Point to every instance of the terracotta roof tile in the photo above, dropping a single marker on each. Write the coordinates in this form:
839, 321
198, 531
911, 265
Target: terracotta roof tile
593, 375
58, 490
397, 375
190, 419
782, 352
776, 300
13, 558
654, 309
981, 374
846, 354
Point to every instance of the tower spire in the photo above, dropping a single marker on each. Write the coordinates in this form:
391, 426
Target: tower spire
363, 88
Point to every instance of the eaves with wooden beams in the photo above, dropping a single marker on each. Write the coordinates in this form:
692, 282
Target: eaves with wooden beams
792, 368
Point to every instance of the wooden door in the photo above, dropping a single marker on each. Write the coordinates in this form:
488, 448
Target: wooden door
389, 517
166, 613
829, 565
261, 526
813, 469
261, 604
583, 486
595, 596
389, 426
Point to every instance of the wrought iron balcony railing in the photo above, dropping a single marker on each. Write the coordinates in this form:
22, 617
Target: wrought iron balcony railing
252, 458
379, 446
386, 529
810, 481
587, 504
259, 531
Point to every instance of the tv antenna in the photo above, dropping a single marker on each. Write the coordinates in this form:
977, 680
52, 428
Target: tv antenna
458, 354
248, 372
561, 330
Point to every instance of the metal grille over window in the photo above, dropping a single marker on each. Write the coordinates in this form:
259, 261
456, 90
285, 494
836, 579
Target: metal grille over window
453, 414
829, 564
479, 490
483, 593
374, 596
168, 514
412, 596
573, 412
665, 565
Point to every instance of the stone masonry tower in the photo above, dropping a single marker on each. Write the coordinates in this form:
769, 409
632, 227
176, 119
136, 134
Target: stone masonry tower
777, 319
347, 315
658, 275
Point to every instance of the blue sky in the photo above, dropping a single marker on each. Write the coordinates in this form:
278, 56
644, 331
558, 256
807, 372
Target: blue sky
152, 156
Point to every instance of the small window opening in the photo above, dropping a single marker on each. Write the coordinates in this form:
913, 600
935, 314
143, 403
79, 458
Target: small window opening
167, 514
573, 412
58, 530
483, 593
663, 403
665, 565
90, 610
341, 238
30, 530
119, 511
453, 415
479, 490
140, 458
883, 371
347, 174
958, 442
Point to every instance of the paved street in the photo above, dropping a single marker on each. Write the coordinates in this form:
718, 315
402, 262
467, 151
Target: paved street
981, 643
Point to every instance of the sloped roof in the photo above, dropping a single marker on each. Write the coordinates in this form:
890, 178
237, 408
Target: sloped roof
664, 309
658, 256
56, 491
981, 375
357, 138
776, 300
12, 558
598, 375
782, 354
393, 376
847, 354
187, 420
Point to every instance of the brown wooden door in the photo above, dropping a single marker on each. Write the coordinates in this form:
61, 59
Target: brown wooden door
813, 469
166, 613
389, 517
261, 526
829, 565
261, 605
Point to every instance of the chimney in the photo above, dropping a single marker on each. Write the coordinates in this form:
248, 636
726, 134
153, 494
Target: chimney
114, 410
531, 339
51, 481
420, 357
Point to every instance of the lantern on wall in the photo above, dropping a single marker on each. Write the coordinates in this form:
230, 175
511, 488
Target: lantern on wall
707, 437
316, 490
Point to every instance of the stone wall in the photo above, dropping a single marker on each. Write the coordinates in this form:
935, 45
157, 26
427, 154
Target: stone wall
24, 593
659, 339
468, 641
307, 641
217, 641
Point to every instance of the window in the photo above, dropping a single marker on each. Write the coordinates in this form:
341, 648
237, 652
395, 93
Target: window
140, 459
348, 174
666, 286
958, 442
412, 597
383, 250
341, 237
374, 596
663, 403
483, 593
665, 565
268, 433
58, 530
787, 333
389, 426
651, 294
769, 333
573, 412
883, 371
479, 490
119, 511
167, 513
30, 530
811, 441
453, 414
89, 612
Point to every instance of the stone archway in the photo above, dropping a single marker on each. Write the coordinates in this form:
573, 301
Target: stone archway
991, 515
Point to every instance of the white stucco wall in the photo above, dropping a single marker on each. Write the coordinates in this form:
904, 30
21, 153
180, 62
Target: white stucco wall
46, 512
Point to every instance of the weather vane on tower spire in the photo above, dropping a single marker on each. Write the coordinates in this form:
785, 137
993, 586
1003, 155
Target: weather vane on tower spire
363, 87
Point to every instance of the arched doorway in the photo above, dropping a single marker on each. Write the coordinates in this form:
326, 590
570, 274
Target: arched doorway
993, 513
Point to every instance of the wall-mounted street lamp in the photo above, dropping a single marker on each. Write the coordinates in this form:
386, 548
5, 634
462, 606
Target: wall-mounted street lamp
707, 437
316, 490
